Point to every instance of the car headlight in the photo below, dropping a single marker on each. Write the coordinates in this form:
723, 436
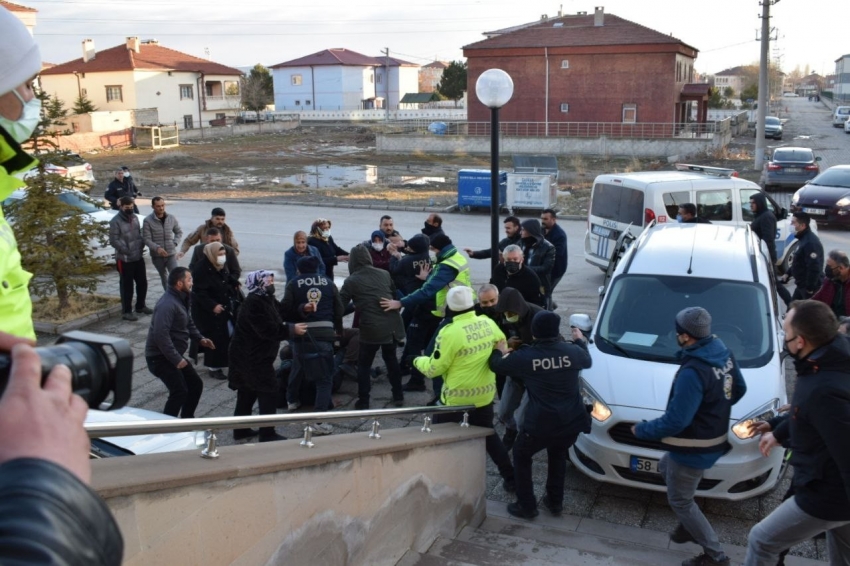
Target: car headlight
743, 428
843, 202
796, 197
600, 410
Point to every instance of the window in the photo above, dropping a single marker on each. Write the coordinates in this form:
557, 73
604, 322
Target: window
565, 107
186, 91
672, 202
297, 103
295, 80
187, 121
565, 64
220, 115
617, 203
114, 93
629, 113
715, 205
84, 92
307, 103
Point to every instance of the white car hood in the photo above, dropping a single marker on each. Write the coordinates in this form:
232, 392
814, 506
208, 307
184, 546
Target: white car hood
103, 215
146, 443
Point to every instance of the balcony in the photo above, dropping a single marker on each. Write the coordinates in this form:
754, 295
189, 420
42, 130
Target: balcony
223, 102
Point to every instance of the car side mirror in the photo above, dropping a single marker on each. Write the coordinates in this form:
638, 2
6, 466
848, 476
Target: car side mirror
783, 213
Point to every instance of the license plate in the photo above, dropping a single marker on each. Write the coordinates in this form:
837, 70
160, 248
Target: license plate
814, 210
601, 231
647, 465
793, 170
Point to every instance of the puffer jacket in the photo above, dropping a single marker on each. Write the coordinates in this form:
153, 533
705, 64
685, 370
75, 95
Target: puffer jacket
165, 233
539, 253
366, 286
125, 235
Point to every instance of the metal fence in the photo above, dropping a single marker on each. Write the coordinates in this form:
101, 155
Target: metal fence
642, 130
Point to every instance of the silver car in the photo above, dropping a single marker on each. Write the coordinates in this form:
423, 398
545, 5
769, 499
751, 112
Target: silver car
791, 167
772, 127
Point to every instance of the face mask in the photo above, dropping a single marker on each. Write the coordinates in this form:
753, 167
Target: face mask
678, 218
377, 246
221, 260
269, 290
126, 174
126, 212
325, 233
429, 229
490, 312
22, 128
512, 267
512, 319
433, 257
829, 272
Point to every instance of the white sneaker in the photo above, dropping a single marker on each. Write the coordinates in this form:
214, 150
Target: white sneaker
321, 429
293, 406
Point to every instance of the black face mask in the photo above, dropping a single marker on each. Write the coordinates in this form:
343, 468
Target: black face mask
428, 229
269, 290
126, 213
512, 267
490, 312
529, 241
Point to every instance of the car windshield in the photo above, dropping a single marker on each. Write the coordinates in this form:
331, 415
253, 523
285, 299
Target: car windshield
793, 155
637, 320
772, 121
78, 201
833, 178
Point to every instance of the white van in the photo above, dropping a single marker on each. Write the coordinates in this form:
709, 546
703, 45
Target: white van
840, 115
630, 201
633, 345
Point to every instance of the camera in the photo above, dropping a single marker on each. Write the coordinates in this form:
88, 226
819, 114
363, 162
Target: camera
99, 365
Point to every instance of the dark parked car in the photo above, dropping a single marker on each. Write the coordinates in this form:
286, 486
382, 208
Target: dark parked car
826, 197
791, 167
772, 127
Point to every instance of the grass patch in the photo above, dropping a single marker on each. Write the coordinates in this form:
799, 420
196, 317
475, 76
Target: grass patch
47, 309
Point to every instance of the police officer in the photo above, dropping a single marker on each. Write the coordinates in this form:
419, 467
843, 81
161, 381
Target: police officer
313, 297
807, 266
555, 415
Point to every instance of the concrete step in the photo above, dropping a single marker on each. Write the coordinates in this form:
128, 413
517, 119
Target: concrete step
413, 558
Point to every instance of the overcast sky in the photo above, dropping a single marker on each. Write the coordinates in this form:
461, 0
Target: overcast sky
268, 32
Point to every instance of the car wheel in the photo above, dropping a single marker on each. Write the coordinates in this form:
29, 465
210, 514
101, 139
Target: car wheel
785, 266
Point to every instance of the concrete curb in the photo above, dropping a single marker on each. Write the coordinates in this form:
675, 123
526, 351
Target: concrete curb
56, 329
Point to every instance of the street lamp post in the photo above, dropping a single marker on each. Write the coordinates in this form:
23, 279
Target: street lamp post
494, 89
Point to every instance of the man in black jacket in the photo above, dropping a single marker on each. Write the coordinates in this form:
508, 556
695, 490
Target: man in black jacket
539, 254
817, 433
168, 338
512, 237
549, 368
807, 266
556, 236
512, 273
410, 270
764, 226
688, 215
121, 186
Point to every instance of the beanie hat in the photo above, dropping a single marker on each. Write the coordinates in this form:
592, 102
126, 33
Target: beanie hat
459, 299
440, 241
307, 264
545, 324
694, 321
20, 59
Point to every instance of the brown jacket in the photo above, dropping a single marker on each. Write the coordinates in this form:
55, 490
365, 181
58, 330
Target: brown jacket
196, 236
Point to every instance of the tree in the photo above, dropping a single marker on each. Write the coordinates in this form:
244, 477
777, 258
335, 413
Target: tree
55, 246
714, 98
83, 105
257, 90
751, 91
55, 112
728, 92
452, 83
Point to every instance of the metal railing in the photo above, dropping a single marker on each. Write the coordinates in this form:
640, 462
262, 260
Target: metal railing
640, 130
213, 424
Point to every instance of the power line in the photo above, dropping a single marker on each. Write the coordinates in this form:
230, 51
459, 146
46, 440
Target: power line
255, 34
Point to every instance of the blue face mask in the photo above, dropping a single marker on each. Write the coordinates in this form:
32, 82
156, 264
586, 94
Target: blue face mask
22, 128
678, 218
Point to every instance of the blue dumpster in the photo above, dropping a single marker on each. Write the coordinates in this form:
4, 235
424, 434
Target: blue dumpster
438, 128
473, 188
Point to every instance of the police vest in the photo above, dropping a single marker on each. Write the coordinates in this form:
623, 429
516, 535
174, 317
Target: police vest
710, 426
317, 289
458, 262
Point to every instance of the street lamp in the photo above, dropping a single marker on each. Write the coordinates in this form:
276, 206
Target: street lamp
494, 89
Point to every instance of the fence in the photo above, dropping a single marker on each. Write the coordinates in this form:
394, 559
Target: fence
156, 137
615, 130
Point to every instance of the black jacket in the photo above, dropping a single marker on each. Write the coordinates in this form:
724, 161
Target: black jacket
214, 287
764, 224
807, 267
404, 271
558, 238
329, 251
118, 189
48, 516
539, 253
817, 432
431, 231
171, 327
310, 287
549, 369
503, 243
255, 344
510, 300
525, 281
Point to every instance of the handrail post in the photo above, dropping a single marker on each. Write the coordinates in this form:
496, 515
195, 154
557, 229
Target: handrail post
465, 423
426, 426
210, 451
375, 426
308, 437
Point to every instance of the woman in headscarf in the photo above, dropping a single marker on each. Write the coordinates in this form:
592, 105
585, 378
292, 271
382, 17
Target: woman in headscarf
299, 249
215, 298
253, 350
321, 239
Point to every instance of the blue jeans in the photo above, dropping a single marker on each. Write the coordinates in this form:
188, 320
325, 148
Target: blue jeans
682, 483
788, 526
314, 362
525, 447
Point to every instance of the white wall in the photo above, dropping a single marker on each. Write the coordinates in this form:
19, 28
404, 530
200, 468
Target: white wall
171, 107
65, 86
407, 82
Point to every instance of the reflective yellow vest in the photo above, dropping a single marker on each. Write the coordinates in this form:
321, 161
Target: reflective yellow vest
461, 265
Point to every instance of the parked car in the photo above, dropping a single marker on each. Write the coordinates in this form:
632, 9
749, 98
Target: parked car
634, 349
847, 127
772, 127
840, 116
791, 167
70, 165
142, 444
826, 197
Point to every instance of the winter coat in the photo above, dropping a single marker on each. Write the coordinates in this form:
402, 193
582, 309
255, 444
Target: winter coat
213, 287
171, 327
764, 224
125, 235
831, 289
558, 238
291, 257
366, 286
404, 271
328, 251
227, 237
255, 344
525, 281
232, 263
807, 267
539, 253
161, 234
118, 189
510, 300
817, 432
380, 259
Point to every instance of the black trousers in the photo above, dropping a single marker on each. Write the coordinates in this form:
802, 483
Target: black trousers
525, 447
131, 272
245, 399
364, 369
422, 328
483, 417
184, 386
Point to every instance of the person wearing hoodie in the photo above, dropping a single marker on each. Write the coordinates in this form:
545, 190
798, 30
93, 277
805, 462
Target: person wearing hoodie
379, 329
517, 315
539, 254
695, 426
764, 226
321, 239
379, 248
816, 432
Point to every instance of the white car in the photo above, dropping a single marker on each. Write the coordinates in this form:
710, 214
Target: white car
70, 165
143, 444
847, 126
725, 270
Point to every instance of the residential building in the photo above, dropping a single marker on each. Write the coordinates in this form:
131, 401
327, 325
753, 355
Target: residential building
23, 13
589, 68
811, 84
139, 74
737, 77
430, 76
341, 79
841, 88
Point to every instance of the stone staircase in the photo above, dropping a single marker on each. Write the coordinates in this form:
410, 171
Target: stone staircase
502, 540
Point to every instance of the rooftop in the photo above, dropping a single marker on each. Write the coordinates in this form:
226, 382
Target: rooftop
12, 7
345, 57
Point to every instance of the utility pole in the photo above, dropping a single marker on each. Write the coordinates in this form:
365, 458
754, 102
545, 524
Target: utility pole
387, 77
763, 94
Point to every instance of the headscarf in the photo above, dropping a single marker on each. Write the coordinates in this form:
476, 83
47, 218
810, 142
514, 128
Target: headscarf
255, 281
316, 230
211, 251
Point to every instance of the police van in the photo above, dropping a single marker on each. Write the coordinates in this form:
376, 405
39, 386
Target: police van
621, 202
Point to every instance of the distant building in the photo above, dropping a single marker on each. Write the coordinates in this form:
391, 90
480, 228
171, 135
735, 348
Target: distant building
144, 74
810, 85
23, 13
430, 75
736, 77
841, 88
589, 68
341, 79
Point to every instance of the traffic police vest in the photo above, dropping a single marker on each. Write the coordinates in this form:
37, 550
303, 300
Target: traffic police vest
458, 262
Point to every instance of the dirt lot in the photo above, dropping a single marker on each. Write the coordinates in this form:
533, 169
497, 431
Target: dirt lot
338, 163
